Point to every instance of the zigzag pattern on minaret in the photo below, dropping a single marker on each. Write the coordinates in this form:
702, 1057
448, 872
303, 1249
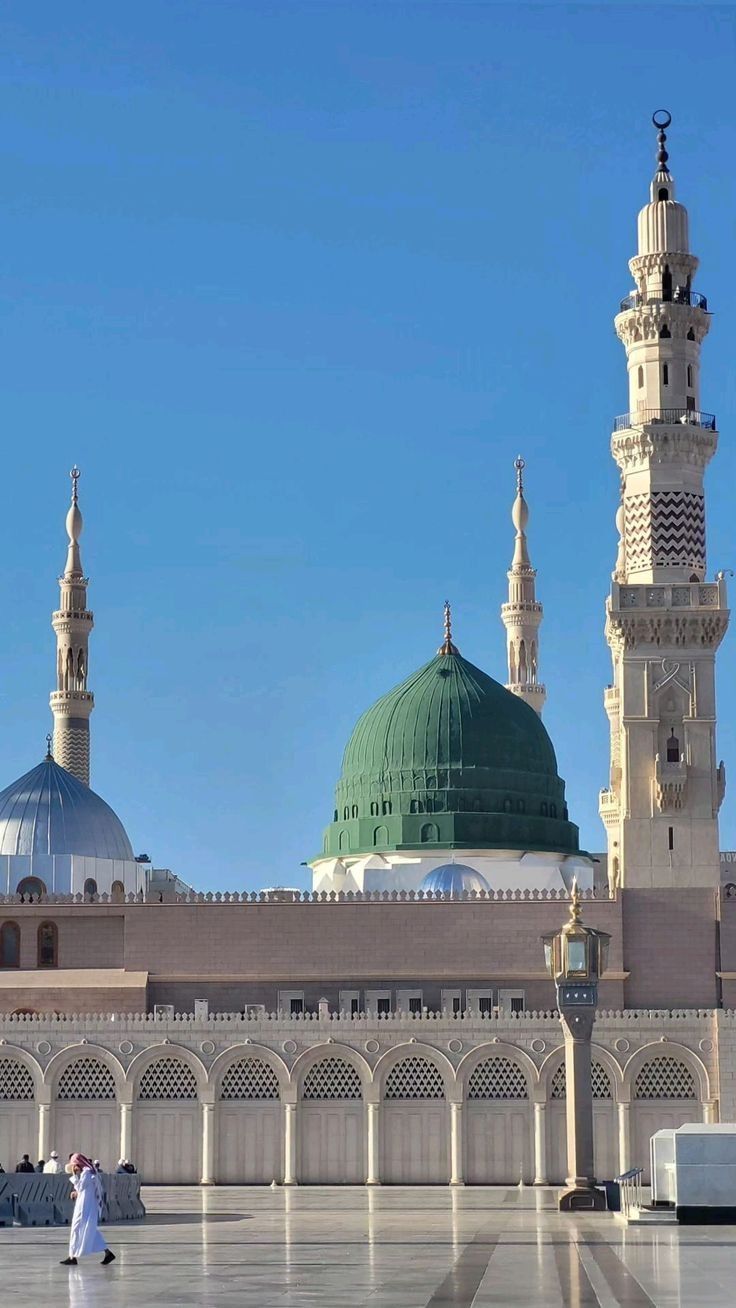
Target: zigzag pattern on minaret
665, 529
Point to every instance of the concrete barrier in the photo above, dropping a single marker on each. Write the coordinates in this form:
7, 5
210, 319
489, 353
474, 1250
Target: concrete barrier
34, 1202
6, 1200
39, 1199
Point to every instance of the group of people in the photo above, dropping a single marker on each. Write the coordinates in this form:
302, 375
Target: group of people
54, 1165
85, 1236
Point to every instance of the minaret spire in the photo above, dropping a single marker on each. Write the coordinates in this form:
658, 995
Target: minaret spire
522, 615
71, 702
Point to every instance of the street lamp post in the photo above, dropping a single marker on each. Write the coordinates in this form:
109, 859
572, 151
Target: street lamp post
576, 957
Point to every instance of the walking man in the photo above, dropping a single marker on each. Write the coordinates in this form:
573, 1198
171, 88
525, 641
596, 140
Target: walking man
85, 1236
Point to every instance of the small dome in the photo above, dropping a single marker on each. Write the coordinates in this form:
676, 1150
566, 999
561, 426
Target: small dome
454, 879
48, 811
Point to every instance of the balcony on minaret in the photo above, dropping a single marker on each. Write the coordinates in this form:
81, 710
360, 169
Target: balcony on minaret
678, 295
670, 782
671, 417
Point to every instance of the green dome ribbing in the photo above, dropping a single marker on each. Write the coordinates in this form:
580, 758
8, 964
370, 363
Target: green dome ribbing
449, 759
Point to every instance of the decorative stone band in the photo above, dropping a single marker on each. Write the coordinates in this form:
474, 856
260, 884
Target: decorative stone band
665, 529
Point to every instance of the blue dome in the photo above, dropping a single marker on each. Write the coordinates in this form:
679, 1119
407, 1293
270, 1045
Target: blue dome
48, 811
454, 879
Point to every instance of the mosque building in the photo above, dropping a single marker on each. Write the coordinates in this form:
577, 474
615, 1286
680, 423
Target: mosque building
396, 1023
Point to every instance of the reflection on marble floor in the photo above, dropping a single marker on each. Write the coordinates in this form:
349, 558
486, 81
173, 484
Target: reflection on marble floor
394, 1247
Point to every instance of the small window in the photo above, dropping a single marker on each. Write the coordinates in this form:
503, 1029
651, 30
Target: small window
673, 749
354, 1007
296, 1007
665, 374
517, 1004
553, 810
666, 284
415, 1007
663, 193
664, 332
374, 810
117, 890
90, 888
485, 1005
507, 805
689, 374
386, 808
383, 1007
355, 810
10, 944
31, 887
345, 813
671, 838
690, 334
543, 809
640, 377
521, 806
48, 943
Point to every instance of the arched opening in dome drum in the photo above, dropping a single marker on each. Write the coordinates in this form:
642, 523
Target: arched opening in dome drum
344, 842
429, 833
31, 887
543, 808
663, 193
9, 944
47, 945
386, 808
346, 813
117, 891
380, 837
374, 809
355, 810
666, 283
90, 888
664, 332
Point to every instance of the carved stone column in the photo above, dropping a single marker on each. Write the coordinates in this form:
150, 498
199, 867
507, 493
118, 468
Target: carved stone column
373, 1127
289, 1144
208, 1143
540, 1143
624, 1137
456, 1144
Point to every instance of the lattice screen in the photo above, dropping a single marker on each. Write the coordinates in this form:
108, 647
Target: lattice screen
251, 1078
415, 1078
665, 1078
600, 1081
16, 1081
169, 1078
86, 1078
498, 1078
333, 1078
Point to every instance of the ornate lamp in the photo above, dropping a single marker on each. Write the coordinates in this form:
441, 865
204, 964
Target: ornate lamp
576, 957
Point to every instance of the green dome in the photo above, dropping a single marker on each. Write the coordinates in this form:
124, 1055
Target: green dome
449, 759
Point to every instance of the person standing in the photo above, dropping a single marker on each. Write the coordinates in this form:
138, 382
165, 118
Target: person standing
85, 1236
25, 1165
53, 1165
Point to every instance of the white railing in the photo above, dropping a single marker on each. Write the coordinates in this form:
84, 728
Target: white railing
630, 1187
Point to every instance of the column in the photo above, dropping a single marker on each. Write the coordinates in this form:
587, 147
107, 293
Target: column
710, 1114
372, 1143
540, 1144
44, 1130
208, 1144
126, 1130
456, 1144
290, 1144
624, 1136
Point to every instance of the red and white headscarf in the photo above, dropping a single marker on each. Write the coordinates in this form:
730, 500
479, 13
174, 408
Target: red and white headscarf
81, 1161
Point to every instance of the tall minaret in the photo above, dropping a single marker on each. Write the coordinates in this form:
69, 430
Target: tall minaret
522, 614
665, 620
71, 702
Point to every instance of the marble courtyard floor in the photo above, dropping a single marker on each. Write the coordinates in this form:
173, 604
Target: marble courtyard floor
398, 1247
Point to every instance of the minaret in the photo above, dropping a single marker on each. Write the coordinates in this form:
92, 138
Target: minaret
522, 614
71, 702
665, 620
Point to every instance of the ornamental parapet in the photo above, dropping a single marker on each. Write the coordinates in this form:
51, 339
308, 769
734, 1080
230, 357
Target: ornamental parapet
662, 443
674, 595
157, 896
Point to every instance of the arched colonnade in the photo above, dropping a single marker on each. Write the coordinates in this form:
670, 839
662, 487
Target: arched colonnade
333, 1116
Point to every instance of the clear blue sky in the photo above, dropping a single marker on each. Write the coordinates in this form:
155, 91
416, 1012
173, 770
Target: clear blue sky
294, 284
